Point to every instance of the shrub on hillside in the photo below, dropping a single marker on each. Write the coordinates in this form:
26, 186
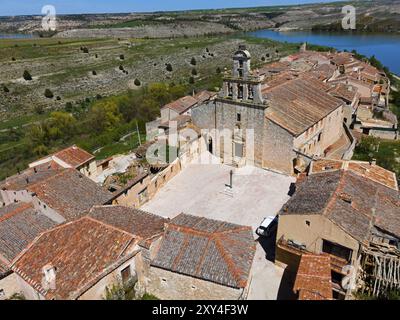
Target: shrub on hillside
48, 94
27, 76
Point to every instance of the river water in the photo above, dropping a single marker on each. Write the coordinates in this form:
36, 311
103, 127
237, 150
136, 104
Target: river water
385, 47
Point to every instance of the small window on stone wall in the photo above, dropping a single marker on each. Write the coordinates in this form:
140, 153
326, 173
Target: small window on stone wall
194, 287
126, 274
308, 223
238, 117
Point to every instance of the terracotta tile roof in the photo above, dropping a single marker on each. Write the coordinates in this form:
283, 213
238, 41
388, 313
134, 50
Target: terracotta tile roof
74, 156
363, 168
70, 193
313, 279
342, 58
20, 223
352, 201
207, 249
31, 176
274, 67
343, 91
81, 251
140, 224
204, 95
299, 104
181, 105
4, 270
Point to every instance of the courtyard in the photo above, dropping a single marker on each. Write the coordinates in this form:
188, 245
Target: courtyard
203, 190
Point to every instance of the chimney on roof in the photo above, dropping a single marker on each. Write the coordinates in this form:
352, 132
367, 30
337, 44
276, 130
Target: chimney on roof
346, 197
373, 162
49, 277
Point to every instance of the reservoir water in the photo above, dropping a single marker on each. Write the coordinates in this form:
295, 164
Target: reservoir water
15, 36
385, 47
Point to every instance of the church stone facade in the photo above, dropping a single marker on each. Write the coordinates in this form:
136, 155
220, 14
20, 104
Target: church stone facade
274, 127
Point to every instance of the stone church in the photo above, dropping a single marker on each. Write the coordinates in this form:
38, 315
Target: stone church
268, 121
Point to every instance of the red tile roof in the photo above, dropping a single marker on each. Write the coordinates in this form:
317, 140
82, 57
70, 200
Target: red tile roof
20, 223
181, 105
31, 176
313, 279
351, 201
74, 156
138, 223
82, 252
363, 168
70, 193
299, 104
207, 249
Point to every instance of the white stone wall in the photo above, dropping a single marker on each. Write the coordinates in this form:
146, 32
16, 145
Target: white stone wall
9, 285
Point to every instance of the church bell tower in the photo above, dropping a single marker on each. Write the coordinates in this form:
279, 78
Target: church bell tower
242, 85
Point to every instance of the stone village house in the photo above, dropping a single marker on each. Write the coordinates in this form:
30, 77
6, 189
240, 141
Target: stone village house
72, 157
202, 259
341, 209
80, 259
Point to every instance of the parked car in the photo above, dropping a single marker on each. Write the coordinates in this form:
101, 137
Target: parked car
267, 226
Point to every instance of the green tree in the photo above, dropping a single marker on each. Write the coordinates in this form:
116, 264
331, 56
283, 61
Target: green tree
104, 115
61, 125
120, 291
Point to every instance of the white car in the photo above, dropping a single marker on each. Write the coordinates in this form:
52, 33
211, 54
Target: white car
267, 225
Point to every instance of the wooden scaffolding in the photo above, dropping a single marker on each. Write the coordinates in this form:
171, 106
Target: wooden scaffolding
379, 269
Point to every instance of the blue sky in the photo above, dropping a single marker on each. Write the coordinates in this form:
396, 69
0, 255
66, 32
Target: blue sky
23, 7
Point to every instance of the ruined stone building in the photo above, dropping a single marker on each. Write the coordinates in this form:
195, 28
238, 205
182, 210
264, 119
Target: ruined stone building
292, 115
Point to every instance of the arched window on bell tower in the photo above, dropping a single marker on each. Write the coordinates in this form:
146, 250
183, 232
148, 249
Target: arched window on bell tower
242, 63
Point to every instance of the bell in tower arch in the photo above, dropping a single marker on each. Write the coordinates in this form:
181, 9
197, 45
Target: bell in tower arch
242, 63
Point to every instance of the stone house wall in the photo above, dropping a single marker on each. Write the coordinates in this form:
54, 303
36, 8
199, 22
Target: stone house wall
168, 285
204, 116
278, 151
310, 230
97, 291
130, 197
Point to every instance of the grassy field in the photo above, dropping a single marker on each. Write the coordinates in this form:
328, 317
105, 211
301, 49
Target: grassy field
62, 66
386, 152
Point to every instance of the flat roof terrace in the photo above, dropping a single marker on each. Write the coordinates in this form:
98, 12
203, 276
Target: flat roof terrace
200, 189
